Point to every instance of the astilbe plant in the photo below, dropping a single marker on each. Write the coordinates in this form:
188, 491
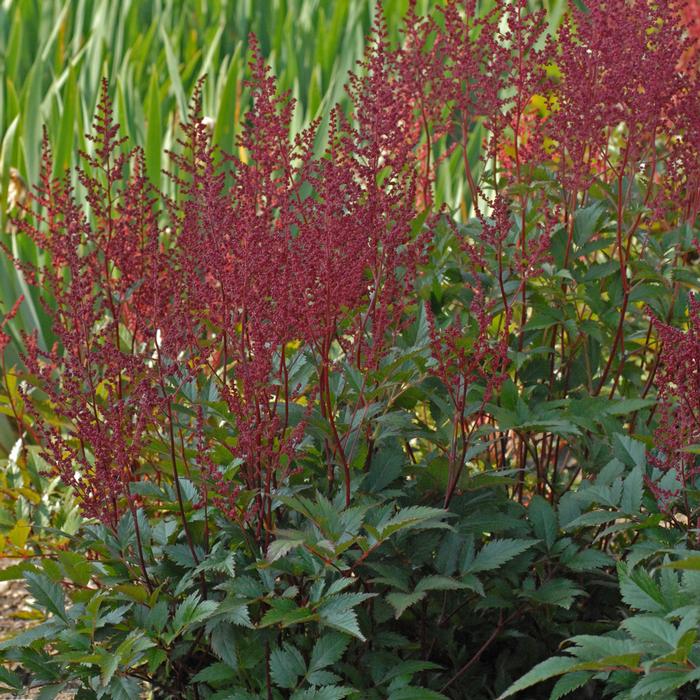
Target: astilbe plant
278, 368
281, 249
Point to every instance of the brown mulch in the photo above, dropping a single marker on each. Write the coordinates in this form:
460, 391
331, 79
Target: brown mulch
13, 600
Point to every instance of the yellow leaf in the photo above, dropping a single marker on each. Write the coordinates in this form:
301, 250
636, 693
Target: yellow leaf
19, 533
130, 590
28, 615
30, 495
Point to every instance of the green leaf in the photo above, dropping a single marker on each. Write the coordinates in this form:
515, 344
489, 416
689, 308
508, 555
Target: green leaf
281, 610
282, 545
47, 630
412, 517
570, 682
401, 601
632, 492
586, 222
48, 594
327, 651
235, 611
640, 591
342, 619
219, 560
545, 670
65, 143
658, 683
157, 616
10, 679
630, 451
329, 692
651, 629
595, 517
108, 665
15, 572
286, 666
497, 552
78, 568
623, 407
217, 673
191, 611
558, 591
440, 583
49, 692
416, 693
543, 519
589, 560
123, 688
223, 644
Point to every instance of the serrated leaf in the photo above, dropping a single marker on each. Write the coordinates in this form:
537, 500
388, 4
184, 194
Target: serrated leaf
586, 222
342, 620
157, 616
651, 629
402, 601
589, 560
440, 583
216, 673
543, 519
47, 593
113, 617
191, 611
632, 492
286, 613
594, 649
235, 611
219, 560
11, 679
596, 517
123, 688
558, 591
108, 665
632, 452
46, 630
15, 572
545, 670
412, 517
337, 612
283, 545
223, 644
658, 683
49, 692
328, 649
286, 666
181, 554
623, 407
570, 682
497, 552
640, 591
